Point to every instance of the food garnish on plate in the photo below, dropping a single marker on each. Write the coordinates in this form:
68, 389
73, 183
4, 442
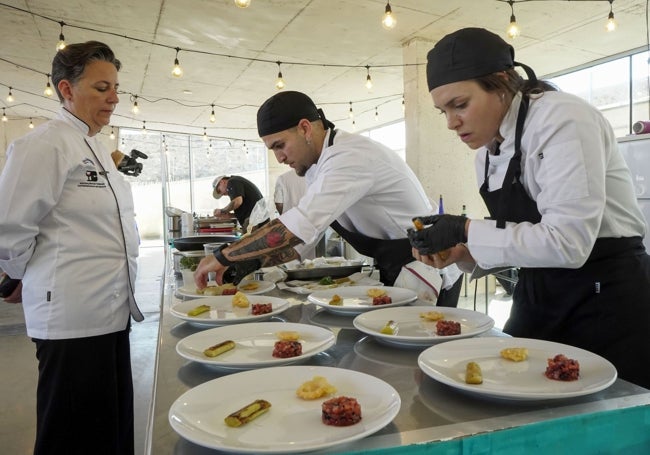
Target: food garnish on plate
240, 300
473, 374
288, 335
562, 368
219, 348
447, 328
198, 310
247, 413
250, 286
222, 289
317, 387
390, 328
258, 309
432, 315
514, 354
336, 300
341, 411
285, 349
376, 292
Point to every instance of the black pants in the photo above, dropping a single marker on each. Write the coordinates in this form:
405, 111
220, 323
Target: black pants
449, 297
84, 400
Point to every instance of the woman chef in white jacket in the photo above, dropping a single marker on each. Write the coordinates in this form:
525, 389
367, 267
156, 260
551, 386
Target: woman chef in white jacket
561, 201
67, 229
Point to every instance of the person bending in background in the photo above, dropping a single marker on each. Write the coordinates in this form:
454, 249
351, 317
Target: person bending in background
561, 201
243, 194
69, 233
360, 187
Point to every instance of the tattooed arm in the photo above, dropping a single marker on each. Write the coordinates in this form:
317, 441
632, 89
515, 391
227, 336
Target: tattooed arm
272, 244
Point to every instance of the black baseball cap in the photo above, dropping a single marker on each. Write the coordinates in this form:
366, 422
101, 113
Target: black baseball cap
466, 54
283, 111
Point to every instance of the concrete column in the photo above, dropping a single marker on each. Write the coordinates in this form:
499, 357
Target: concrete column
442, 163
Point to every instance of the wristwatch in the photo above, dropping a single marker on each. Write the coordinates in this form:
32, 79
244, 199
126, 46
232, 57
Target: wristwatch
220, 257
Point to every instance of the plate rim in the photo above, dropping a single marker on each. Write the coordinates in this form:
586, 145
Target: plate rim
248, 365
422, 341
382, 420
510, 395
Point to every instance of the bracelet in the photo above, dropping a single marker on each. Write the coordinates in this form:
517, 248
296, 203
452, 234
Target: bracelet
220, 257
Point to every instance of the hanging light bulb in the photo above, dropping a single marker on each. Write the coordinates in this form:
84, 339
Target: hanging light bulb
177, 71
368, 78
376, 114
4, 116
243, 3
354, 125
205, 134
10, 96
279, 83
351, 113
388, 21
209, 148
245, 148
611, 23
112, 135
61, 44
144, 127
213, 118
513, 28
135, 109
48, 88
403, 105
31, 124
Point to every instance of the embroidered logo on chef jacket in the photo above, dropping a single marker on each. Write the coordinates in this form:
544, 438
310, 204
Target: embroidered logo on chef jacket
91, 175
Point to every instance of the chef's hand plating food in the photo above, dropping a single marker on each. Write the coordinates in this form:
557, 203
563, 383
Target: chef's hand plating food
443, 232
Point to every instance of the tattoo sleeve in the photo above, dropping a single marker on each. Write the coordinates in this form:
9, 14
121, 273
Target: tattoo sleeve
271, 244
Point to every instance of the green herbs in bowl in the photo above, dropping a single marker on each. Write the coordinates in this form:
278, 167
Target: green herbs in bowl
190, 263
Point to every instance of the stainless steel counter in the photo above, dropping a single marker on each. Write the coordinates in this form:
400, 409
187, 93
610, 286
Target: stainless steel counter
431, 412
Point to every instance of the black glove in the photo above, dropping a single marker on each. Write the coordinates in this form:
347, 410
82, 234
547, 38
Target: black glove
238, 270
445, 231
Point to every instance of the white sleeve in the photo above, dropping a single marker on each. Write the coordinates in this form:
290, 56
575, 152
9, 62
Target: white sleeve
30, 184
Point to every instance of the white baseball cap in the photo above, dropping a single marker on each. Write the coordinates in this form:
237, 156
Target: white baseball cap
215, 182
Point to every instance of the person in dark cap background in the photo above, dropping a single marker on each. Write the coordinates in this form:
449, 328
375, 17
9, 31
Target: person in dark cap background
364, 190
243, 194
561, 201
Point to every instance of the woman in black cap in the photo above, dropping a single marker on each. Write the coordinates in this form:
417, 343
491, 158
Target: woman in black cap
561, 201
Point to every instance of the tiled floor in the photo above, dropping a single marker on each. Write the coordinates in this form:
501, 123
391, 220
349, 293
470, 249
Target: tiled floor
19, 373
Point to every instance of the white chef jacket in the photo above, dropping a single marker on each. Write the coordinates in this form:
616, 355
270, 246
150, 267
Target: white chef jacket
361, 183
67, 229
289, 188
572, 168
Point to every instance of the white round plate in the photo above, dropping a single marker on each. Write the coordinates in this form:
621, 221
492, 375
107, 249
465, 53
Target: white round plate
264, 286
254, 344
412, 330
446, 362
222, 312
291, 424
356, 299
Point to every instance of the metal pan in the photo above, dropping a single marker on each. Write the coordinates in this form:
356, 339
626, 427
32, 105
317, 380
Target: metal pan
320, 272
196, 242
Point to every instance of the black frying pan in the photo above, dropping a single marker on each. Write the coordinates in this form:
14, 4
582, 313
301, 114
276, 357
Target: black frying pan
196, 243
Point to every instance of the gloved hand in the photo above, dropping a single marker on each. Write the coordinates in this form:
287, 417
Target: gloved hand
444, 231
240, 269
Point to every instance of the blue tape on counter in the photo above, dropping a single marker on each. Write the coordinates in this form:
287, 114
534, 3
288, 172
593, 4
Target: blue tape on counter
624, 431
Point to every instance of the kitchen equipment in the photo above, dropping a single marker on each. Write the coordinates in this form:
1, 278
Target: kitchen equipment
194, 243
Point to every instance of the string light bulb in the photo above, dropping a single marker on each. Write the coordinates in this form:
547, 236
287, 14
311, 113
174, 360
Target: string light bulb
48, 88
31, 124
61, 44
611, 23
112, 135
4, 115
513, 29
351, 112
403, 105
368, 78
177, 71
135, 109
213, 118
279, 83
354, 125
243, 3
388, 21
10, 96
205, 134
144, 127
376, 114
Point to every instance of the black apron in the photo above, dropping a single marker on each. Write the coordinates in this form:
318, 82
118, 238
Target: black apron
389, 255
603, 307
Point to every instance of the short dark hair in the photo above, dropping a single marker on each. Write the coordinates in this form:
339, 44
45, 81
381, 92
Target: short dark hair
70, 62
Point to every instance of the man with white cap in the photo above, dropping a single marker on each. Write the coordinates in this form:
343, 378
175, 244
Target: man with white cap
243, 194
364, 190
